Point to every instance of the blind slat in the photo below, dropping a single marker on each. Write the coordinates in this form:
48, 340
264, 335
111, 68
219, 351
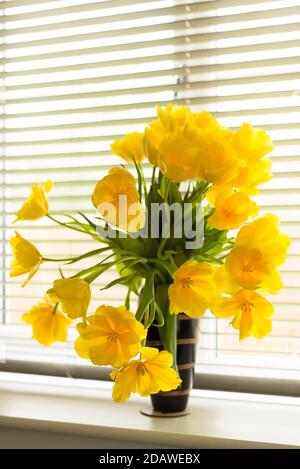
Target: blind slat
285, 83
62, 7
164, 15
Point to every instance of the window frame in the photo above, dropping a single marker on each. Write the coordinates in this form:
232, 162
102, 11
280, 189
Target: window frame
202, 380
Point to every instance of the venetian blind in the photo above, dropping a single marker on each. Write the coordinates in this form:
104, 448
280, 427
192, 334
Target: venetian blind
75, 75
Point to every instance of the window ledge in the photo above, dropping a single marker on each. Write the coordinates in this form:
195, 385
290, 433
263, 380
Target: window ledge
217, 420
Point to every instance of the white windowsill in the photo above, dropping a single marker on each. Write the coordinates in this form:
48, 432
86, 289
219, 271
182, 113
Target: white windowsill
218, 419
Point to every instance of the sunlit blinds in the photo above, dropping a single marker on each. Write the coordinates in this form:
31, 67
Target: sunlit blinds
77, 74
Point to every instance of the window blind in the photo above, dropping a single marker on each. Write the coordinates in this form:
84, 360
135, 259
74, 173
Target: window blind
75, 75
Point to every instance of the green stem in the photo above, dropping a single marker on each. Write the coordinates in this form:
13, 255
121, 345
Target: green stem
90, 278
153, 176
66, 225
144, 184
159, 275
167, 189
76, 259
127, 300
146, 318
140, 190
47, 259
168, 332
172, 262
55, 308
161, 247
94, 234
100, 268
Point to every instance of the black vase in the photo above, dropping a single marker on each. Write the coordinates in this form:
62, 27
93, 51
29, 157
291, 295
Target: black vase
176, 401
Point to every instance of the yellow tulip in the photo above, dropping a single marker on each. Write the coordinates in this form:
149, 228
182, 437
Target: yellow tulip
171, 145
130, 148
48, 323
247, 180
174, 116
251, 143
251, 313
225, 282
194, 289
26, 258
259, 249
36, 206
117, 199
255, 173
215, 191
73, 294
232, 211
205, 121
249, 267
219, 163
112, 336
153, 138
264, 233
176, 155
149, 375
178, 158
187, 145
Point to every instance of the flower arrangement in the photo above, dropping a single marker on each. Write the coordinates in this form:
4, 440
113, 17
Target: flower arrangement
221, 262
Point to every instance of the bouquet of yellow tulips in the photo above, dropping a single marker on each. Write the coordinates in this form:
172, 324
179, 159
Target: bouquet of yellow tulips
174, 222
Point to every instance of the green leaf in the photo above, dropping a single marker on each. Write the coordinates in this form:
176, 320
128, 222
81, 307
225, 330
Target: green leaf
174, 193
134, 275
127, 299
151, 246
198, 193
88, 254
133, 245
92, 225
61, 272
93, 272
162, 188
152, 311
119, 280
77, 226
161, 248
147, 295
66, 225
90, 278
97, 267
140, 181
85, 226
128, 266
160, 317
